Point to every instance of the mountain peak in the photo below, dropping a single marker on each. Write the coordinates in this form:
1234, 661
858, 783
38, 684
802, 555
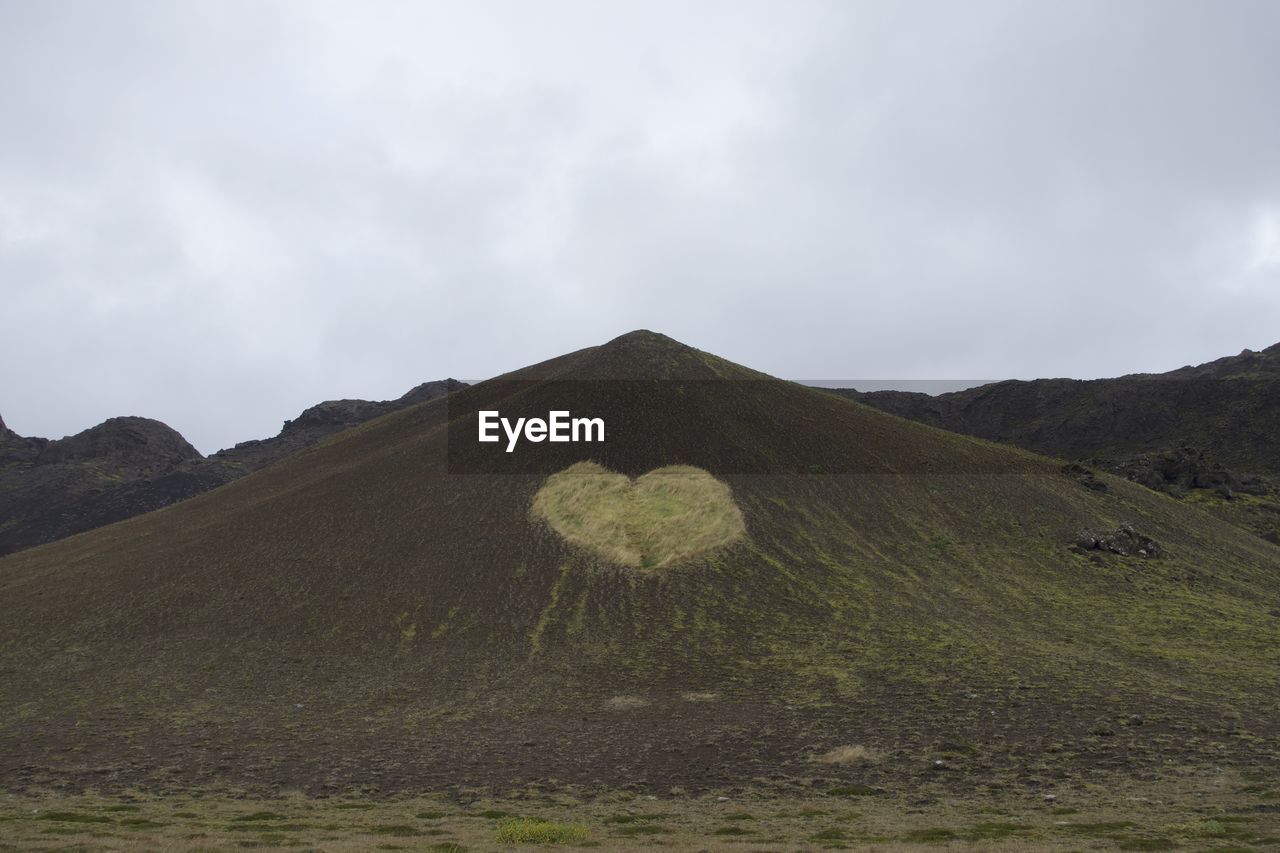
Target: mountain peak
644, 336
131, 441
638, 355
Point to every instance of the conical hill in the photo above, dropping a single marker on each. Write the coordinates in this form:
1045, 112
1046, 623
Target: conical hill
388, 608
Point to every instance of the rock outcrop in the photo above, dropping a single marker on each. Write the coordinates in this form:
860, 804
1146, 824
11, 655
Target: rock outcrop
1125, 541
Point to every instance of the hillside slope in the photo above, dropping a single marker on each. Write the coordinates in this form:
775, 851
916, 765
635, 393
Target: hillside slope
128, 466
1209, 430
383, 610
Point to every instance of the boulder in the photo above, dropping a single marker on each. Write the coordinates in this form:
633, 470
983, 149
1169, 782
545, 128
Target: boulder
1125, 541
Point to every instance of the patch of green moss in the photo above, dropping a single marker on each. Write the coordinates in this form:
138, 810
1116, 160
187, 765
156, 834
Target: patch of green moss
73, 817
929, 834
643, 829
526, 830
397, 829
732, 830
994, 829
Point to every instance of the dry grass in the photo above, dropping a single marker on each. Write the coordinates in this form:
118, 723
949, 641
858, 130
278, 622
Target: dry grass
699, 696
663, 517
626, 703
849, 754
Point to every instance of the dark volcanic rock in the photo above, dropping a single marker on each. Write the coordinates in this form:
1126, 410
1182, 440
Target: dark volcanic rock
1126, 541
1178, 470
117, 469
137, 446
1227, 408
1210, 428
15, 448
323, 420
127, 466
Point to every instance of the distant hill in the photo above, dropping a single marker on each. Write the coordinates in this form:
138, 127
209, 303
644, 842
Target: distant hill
127, 466
393, 608
1208, 433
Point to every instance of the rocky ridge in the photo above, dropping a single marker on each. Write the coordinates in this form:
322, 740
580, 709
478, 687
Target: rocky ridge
125, 466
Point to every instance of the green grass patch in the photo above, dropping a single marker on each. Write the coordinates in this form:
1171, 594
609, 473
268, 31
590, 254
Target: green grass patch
74, 817
852, 791
527, 830
1211, 828
1100, 828
732, 830
930, 834
259, 816
643, 829
400, 830
994, 829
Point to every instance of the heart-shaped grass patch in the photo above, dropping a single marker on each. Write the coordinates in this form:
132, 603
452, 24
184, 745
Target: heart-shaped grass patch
668, 515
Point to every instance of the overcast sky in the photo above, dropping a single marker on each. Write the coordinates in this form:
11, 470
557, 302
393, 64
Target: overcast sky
218, 213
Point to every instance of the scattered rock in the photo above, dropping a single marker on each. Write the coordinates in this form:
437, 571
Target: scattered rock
1126, 542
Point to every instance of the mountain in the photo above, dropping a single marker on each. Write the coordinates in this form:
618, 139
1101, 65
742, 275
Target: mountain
404, 607
1207, 433
127, 466
323, 420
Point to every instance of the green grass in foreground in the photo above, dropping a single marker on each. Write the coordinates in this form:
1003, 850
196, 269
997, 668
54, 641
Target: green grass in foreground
529, 830
1203, 809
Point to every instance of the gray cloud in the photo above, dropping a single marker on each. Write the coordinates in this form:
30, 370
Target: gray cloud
218, 213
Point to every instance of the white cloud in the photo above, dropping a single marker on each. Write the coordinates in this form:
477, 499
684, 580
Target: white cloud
218, 213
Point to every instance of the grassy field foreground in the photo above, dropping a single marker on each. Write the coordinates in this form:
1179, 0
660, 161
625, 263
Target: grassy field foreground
1200, 810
